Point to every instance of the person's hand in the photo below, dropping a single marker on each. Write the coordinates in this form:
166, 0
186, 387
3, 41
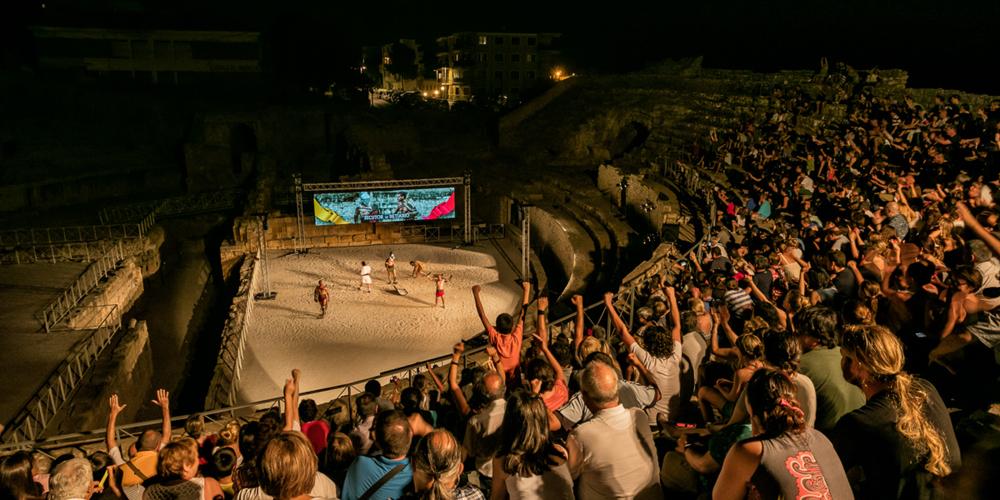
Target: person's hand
476, 289
458, 349
526, 285
113, 405
609, 297
543, 303
162, 399
670, 290
963, 211
853, 265
681, 443
543, 342
492, 352
536, 386
576, 300
724, 313
634, 360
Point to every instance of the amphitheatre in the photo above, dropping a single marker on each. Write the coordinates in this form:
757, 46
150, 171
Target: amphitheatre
153, 264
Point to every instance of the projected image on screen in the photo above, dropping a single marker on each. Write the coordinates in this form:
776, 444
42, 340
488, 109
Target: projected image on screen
357, 207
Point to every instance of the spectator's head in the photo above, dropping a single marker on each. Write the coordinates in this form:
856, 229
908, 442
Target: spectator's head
307, 410
421, 382
41, 463
437, 465
72, 479
490, 388
339, 452
223, 462
782, 350
505, 323
373, 387
525, 435
599, 385
872, 359
659, 342
817, 326
750, 347
98, 461
409, 400
194, 426
773, 405
980, 252
966, 278
367, 406
602, 357
563, 353
179, 460
540, 369
149, 440
229, 434
393, 434
838, 260
645, 315
288, 466
15, 477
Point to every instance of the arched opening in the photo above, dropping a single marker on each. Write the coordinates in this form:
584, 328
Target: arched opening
632, 136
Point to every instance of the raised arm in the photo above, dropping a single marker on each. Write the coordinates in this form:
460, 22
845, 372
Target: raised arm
543, 338
853, 266
163, 401
435, 378
525, 300
617, 320
577, 301
496, 363
647, 376
727, 352
971, 222
291, 405
675, 314
113, 410
479, 307
456, 390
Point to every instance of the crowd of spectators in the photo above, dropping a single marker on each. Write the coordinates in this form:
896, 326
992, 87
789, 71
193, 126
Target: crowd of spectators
842, 312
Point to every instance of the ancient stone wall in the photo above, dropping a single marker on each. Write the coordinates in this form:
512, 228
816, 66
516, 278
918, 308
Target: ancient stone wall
121, 289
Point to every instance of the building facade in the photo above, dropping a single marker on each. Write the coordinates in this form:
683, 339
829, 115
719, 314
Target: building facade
495, 65
155, 56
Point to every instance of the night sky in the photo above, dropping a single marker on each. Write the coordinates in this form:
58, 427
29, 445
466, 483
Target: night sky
942, 44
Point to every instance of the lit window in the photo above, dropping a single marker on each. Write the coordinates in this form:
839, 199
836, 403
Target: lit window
456, 56
529, 58
482, 39
386, 60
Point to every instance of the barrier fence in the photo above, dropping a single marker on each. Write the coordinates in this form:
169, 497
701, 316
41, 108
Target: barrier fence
103, 266
25, 237
39, 411
223, 388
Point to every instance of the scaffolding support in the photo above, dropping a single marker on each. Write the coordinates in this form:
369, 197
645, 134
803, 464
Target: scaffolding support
525, 242
300, 218
467, 199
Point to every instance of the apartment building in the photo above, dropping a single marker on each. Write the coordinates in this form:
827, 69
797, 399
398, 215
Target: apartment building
495, 65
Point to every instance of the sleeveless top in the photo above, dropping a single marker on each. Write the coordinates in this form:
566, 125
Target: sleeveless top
193, 489
800, 466
556, 483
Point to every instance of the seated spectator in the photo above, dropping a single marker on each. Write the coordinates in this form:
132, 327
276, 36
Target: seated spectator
16, 481
524, 468
902, 437
314, 429
786, 457
612, 455
437, 468
72, 480
387, 475
815, 328
630, 394
178, 475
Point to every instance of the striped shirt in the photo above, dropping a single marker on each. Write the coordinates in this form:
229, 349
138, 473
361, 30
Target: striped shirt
737, 300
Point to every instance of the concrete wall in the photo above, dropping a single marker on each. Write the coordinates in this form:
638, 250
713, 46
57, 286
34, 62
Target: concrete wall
127, 371
553, 246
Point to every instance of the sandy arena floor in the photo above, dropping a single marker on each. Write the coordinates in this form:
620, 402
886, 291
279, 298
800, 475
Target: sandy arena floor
364, 334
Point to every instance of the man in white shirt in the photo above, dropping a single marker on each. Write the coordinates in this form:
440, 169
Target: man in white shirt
612, 455
366, 276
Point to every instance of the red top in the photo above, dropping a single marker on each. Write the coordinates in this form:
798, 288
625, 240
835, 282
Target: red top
558, 397
508, 346
317, 431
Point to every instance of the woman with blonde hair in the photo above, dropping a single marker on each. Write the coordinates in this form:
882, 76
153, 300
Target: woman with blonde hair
178, 473
902, 439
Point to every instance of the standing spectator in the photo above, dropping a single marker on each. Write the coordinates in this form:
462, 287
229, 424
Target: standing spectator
178, 475
337, 458
437, 467
507, 336
612, 455
902, 437
361, 434
786, 457
314, 429
143, 464
661, 356
72, 480
387, 475
375, 389
523, 468
482, 431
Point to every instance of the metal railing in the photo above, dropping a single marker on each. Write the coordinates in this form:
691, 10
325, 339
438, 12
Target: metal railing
84, 251
25, 237
225, 382
190, 204
432, 234
103, 266
39, 411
